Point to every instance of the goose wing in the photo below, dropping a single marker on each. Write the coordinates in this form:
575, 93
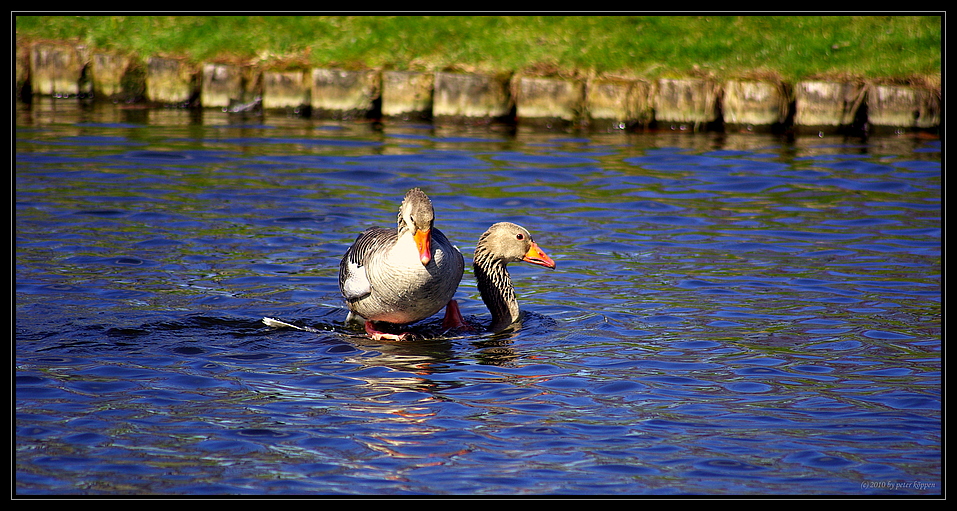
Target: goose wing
353, 279
439, 239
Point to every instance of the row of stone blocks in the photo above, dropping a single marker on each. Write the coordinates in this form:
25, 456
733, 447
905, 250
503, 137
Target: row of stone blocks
60, 70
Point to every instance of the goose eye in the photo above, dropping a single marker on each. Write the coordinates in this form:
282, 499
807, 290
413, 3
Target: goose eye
519, 236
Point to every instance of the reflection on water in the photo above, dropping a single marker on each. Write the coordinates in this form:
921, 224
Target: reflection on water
731, 313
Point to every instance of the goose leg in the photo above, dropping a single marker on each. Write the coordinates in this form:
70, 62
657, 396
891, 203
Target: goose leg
378, 336
453, 317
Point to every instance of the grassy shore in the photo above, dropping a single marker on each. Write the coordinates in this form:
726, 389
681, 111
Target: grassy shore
892, 48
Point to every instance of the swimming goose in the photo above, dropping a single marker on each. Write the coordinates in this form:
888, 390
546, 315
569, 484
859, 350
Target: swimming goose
402, 275
501, 244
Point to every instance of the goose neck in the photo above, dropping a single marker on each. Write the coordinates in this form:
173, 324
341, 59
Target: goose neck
495, 286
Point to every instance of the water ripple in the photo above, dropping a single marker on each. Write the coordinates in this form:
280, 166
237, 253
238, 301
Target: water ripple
725, 317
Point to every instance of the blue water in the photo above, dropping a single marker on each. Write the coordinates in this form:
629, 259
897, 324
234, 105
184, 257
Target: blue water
730, 313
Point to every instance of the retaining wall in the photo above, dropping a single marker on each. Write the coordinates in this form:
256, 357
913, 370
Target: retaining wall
684, 103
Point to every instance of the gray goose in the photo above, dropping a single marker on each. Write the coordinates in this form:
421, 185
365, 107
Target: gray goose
501, 244
402, 275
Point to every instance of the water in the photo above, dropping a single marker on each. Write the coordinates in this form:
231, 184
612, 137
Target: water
730, 314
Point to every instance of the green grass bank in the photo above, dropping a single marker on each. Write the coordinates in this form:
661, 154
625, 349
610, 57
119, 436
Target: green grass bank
894, 49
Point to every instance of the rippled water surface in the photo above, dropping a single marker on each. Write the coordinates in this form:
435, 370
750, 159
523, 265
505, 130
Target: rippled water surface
730, 314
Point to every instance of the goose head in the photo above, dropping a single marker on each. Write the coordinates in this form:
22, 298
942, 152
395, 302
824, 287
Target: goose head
506, 242
501, 244
416, 216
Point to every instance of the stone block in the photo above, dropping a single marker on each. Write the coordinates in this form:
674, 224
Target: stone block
474, 96
407, 94
342, 93
550, 98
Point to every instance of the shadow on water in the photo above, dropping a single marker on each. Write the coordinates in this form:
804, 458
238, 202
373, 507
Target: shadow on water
431, 343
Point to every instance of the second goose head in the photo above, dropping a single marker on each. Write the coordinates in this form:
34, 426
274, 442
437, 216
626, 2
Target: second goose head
501, 244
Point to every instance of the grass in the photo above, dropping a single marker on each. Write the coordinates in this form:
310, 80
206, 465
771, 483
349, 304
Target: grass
894, 48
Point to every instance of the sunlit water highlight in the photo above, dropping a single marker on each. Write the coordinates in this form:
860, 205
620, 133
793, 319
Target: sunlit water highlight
731, 313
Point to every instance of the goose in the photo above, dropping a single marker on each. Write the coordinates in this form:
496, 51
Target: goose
503, 243
403, 275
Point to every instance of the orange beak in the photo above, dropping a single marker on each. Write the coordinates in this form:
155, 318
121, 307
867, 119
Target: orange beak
537, 256
423, 242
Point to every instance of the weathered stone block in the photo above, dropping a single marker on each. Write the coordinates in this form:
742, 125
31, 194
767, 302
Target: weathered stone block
285, 89
222, 83
107, 74
550, 98
55, 70
407, 93
619, 102
343, 94
471, 95
902, 106
754, 103
686, 100
820, 103
169, 80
